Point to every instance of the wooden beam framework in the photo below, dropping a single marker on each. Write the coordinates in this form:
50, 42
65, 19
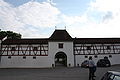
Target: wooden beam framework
25, 50
96, 49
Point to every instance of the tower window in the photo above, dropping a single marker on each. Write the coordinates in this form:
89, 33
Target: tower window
60, 45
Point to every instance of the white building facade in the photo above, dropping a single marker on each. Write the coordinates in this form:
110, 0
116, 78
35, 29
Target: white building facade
60, 49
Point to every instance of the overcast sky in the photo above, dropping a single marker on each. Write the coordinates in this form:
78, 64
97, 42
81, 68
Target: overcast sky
82, 18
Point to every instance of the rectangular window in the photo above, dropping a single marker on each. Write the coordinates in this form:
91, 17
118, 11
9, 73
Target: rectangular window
60, 45
9, 57
86, 56
34, 57
110, 56
96, 56
88, 47
12, 48
24, 57
35, 48
108, 47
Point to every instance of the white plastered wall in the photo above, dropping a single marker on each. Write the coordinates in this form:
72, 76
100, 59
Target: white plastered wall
19, 62
29, 62
114, 59
67, 49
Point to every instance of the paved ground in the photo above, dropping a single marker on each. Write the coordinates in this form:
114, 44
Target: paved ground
52, 74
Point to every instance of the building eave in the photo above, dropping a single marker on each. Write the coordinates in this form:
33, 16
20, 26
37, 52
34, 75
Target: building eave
96, 40
26, 41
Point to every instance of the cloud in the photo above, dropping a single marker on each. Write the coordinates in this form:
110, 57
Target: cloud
31, 14
108, 16
105, 5
107, 8
38, 14
103, 20
51, 2
32, 17
8, 17
71, 20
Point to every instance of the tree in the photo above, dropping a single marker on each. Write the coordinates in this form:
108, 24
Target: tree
10, 34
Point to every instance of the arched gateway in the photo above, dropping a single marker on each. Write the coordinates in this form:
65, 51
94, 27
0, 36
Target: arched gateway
60, 59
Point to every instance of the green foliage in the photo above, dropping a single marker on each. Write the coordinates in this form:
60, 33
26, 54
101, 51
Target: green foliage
10, 34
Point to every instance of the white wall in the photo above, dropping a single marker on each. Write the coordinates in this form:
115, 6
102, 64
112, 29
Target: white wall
29, 62
18, 61
47, 61
115, 59
40, 61
67, 49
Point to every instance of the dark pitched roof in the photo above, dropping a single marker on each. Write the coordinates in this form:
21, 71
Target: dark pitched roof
26, 41
60, 35
97, 40
63, 35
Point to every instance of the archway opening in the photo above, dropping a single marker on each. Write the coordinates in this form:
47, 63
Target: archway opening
60, 59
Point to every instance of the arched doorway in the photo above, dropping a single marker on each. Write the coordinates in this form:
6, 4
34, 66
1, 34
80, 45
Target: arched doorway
60, 59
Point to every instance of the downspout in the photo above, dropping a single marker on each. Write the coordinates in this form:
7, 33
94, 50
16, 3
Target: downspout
74, 56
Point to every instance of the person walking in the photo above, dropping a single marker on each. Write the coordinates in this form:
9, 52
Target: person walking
92, 69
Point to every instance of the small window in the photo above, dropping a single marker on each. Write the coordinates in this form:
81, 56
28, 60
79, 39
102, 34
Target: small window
108, 47
110, 56
35, 48
9, 57
96, 56
69, 64
24, 57
34, 57
86, 56
88, 47
13, 49
60, 45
